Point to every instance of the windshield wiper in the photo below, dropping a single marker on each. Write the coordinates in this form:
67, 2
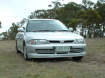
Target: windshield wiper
42, 30
48, 30
61, 30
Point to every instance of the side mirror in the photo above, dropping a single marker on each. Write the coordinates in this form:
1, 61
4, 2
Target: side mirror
70, 29
21, 29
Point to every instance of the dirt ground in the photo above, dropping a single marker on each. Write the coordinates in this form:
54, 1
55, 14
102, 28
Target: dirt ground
13, 65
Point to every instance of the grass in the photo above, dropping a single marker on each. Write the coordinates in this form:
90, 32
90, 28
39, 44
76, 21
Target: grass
13, 65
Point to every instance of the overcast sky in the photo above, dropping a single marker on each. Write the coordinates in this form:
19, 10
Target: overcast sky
15, 10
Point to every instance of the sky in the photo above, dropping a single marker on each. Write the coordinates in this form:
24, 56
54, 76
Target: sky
15, 10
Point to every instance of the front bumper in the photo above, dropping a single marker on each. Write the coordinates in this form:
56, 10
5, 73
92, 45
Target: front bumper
32, 51
33, 55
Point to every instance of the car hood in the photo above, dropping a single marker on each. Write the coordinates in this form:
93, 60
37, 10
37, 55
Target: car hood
52, 35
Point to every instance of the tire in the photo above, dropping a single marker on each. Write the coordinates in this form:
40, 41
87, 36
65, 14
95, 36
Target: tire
77, 58
17, 51
25, 54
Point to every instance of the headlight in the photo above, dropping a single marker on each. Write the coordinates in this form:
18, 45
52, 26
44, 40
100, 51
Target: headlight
79, 41
38, 41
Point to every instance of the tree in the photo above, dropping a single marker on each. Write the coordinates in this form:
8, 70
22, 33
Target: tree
89, 15
49, 13
91, 20
100, 8
87, 4
74, 22
68, 12
5, 35
0, 24
13, 31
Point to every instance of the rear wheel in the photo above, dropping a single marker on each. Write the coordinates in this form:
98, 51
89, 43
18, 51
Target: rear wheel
25, 53
17, 51
77, 58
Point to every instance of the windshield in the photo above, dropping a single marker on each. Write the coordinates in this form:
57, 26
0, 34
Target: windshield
45, 25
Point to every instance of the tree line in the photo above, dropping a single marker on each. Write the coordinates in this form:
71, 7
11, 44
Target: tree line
11, 33
89, 16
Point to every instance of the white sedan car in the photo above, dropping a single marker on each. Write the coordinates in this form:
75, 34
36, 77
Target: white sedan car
49, 38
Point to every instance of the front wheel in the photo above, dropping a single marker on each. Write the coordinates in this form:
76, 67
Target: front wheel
77, 58
25, 53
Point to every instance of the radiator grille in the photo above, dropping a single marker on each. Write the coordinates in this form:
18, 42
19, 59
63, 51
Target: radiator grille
62, 41
52, 51
45, 51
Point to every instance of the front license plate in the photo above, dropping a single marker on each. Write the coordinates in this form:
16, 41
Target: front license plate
62, 49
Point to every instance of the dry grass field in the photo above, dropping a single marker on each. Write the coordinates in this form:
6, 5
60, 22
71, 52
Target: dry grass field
13, 65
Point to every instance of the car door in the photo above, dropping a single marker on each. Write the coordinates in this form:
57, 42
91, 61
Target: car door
21, 39
17, 40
